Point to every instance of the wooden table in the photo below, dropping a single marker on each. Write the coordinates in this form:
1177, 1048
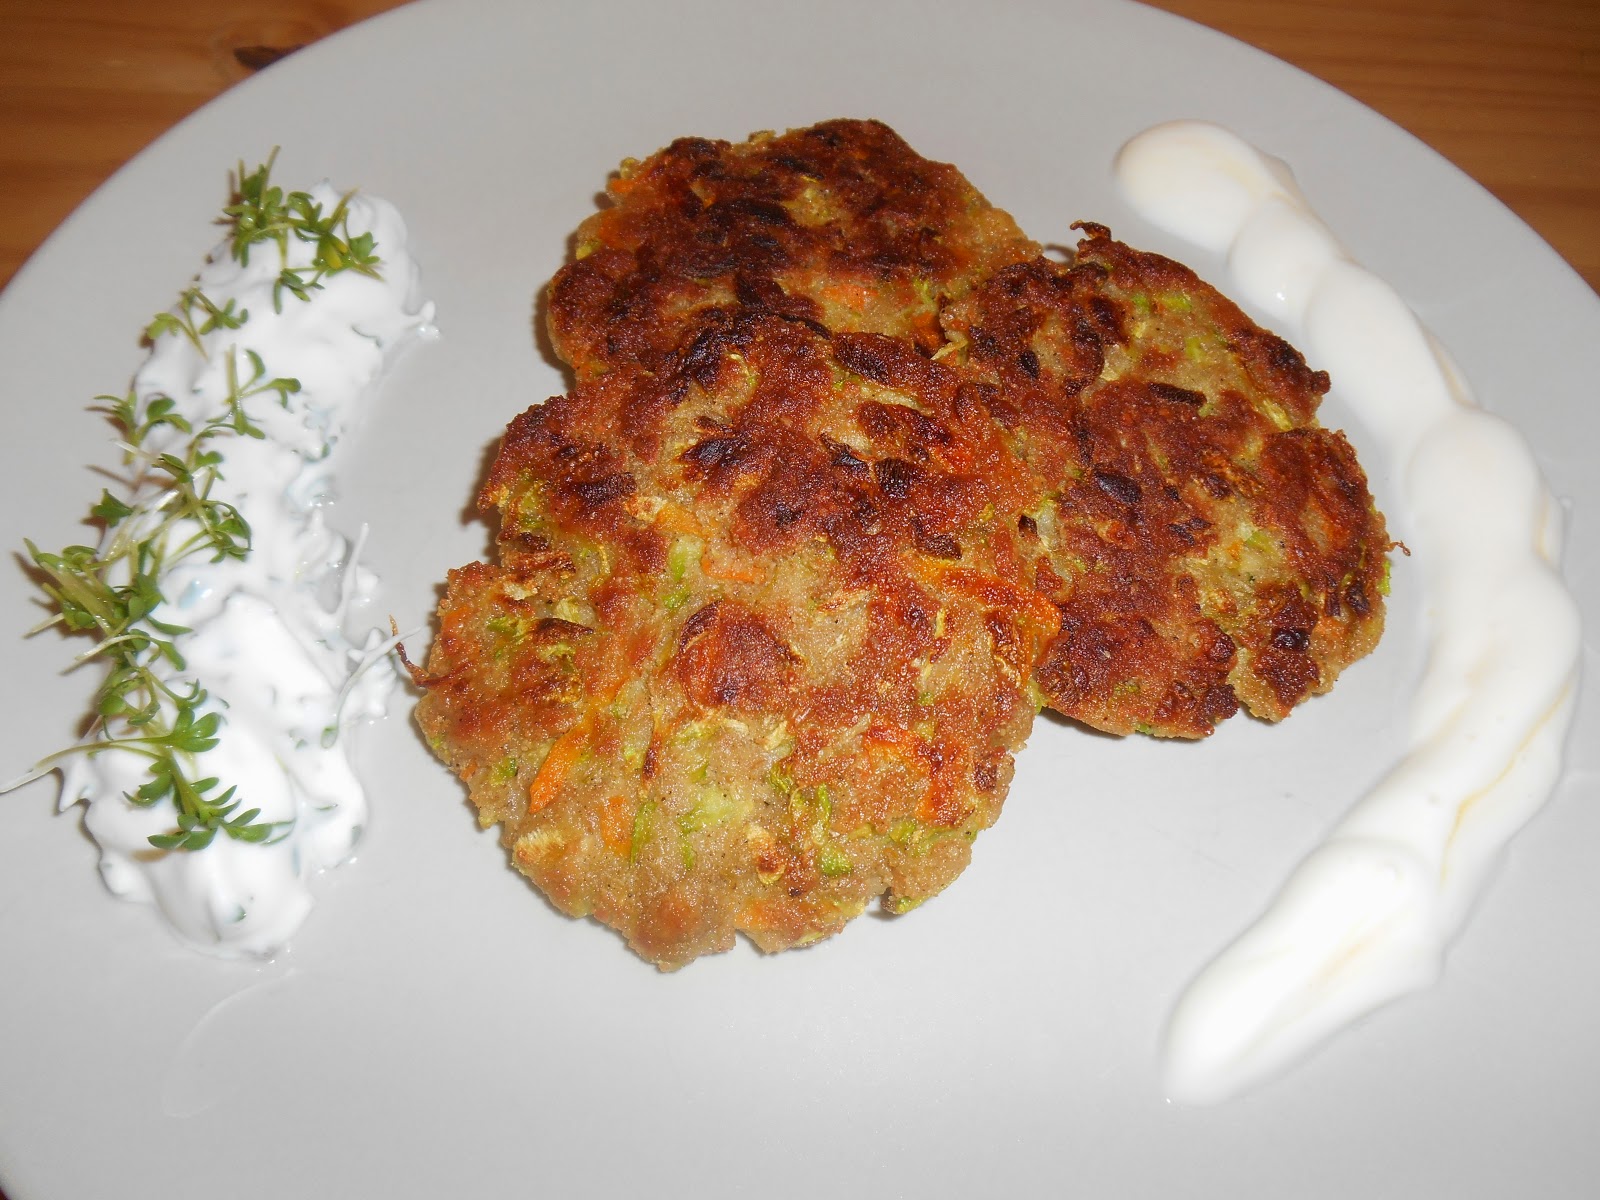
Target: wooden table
1509, 92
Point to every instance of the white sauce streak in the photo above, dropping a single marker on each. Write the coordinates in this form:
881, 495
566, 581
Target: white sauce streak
1366, 917
267, 640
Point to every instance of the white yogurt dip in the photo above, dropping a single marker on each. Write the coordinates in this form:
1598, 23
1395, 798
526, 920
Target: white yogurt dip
267, 636
1367, 916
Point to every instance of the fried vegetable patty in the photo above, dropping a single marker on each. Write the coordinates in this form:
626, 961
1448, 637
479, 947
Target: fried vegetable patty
1205, 540
852, 480
756, 650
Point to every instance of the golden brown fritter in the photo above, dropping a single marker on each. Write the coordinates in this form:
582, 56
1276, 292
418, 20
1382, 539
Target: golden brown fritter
756, 650
841, 224
850, 478
1206, 542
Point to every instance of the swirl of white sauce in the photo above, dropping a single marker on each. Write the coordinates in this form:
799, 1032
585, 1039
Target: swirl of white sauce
267, 639
1367, 916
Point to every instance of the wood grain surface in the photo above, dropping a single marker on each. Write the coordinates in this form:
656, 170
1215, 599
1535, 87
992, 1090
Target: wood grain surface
1509, 92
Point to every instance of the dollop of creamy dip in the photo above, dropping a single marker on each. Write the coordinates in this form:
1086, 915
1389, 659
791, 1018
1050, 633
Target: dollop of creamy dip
1367, 916
267, 633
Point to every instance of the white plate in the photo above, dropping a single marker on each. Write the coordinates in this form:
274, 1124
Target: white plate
439, 1030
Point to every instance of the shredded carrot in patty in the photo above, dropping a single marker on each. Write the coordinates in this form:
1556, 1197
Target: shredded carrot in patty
557, 764
616, 823
991, 589
731, 572
849, 294
679, 520
900, 744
